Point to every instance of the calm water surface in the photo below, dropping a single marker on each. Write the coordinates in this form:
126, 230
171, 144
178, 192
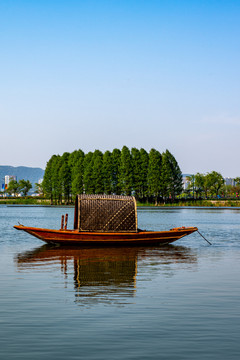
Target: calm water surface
175, 302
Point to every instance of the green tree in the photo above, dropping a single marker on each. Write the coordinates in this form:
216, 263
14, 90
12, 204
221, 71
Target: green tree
65, 177
137, 172
144, 174
191, 184
154, 174
73, 158
47, 179
39, 188
107, 172
87, 174
199, 183
116, 163
215, 182
97, 172
206, 185
77, 173
24, 186
171, 176
237, 181
56, 180
227, 191
194, 185
126, 175
13, 187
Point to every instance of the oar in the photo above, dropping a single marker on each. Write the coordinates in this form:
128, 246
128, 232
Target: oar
204, 237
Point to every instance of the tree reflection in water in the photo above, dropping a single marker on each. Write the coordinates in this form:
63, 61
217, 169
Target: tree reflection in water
106, 275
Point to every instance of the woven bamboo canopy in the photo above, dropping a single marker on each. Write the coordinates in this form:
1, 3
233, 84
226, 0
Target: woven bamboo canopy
105, 213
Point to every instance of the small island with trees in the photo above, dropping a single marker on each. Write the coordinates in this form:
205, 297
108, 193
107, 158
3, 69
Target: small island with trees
154, 178
151, 177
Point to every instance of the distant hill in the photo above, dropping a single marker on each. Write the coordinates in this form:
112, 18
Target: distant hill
22, 172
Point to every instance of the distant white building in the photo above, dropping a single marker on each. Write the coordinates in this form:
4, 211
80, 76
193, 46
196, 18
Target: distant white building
9, 178
185, 181
229, 181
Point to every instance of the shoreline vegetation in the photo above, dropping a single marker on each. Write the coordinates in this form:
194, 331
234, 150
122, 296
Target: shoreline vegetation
155, 179
150, 176
219, 203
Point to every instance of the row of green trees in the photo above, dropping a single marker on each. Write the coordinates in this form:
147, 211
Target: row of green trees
211, 185
22, 186
148, 176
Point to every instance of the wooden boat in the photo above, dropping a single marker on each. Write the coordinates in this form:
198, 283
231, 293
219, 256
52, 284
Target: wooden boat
106, 220
111, 238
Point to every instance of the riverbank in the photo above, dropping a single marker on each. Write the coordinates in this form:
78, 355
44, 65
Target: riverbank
200, 203
25, 201
186, 203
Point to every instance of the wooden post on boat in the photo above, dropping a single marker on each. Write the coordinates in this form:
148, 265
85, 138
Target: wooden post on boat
66, 221
62, 222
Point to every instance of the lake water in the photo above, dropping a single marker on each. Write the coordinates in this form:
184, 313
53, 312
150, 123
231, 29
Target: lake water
174, 302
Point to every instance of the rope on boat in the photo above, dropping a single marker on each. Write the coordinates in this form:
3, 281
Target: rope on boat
204, 237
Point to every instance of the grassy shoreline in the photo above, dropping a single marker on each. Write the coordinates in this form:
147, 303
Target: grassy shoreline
199, 203
186, 203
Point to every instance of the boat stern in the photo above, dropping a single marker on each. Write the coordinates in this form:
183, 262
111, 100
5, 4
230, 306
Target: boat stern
19, 227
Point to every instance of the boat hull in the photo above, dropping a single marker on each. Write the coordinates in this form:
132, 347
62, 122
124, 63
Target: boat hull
116, 239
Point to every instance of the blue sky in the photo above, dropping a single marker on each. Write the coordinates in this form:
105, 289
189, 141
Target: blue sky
103, 74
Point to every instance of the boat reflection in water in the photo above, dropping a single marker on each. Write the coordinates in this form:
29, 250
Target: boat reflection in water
105, 274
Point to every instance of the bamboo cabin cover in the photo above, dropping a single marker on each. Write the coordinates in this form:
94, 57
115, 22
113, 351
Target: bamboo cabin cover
105, 213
